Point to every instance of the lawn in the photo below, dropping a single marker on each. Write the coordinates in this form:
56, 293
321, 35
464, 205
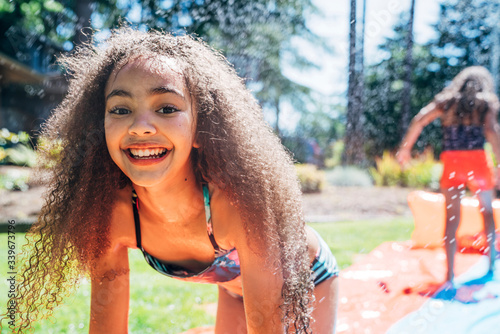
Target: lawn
162, 305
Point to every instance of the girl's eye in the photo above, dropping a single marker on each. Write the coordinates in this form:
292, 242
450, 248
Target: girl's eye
168, 110
119, 111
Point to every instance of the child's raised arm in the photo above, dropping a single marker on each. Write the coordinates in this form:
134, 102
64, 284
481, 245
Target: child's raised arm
424, 117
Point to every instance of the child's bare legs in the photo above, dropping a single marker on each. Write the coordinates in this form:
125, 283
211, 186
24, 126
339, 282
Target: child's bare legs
452, 196
485, 198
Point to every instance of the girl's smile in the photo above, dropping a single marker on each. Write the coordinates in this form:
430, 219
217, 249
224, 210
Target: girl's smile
149, 122
143, 156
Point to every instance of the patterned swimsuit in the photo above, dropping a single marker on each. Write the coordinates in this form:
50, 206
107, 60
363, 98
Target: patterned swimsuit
226, 265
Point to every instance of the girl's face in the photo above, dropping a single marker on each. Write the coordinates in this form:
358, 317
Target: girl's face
149, 123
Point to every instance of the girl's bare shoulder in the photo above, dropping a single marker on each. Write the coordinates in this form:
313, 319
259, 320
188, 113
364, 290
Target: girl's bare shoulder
226, 218
122, 228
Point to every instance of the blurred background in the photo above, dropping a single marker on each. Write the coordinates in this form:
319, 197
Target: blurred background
339, 81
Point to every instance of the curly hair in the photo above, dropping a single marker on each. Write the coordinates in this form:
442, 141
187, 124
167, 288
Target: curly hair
471, 89
239, 153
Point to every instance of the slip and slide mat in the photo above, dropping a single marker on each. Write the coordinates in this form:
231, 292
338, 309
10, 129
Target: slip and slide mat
397, 288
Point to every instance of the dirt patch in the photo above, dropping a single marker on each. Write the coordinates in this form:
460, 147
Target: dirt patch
23, 206
356, 203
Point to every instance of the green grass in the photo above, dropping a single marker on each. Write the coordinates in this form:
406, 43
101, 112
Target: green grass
348, 239
159, 304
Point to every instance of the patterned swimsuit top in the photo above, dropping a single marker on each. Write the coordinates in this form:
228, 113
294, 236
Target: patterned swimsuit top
224, 268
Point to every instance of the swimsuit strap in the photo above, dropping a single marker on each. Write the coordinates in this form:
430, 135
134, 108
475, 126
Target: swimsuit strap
210, 228
137, 222
208, 216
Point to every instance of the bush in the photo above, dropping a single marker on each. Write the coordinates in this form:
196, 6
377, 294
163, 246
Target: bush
21, 155
3, 155
14, 180
15, 149
387, 171
349, 176
311, 179
333, 155
422, 172
8, 139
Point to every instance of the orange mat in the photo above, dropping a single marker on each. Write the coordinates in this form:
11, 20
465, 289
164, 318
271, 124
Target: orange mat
389, 283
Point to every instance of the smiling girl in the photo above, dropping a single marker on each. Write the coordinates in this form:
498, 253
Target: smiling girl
166, 151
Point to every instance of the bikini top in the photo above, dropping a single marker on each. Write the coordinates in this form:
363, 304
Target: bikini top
463, 137
224, 268
459, 136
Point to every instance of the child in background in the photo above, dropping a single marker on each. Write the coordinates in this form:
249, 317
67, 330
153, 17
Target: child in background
468, 109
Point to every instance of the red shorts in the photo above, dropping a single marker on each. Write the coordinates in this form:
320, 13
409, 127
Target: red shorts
472, 168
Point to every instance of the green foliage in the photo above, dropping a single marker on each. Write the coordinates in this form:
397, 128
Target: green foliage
15, 150
348, 176
347, 240
49, 151
333, 154
255, 36
466, 35
387, 172
8, 139
422, 172
14, 180
6, 6
311, 179
317, 137
21, 155
53, 21
384, 95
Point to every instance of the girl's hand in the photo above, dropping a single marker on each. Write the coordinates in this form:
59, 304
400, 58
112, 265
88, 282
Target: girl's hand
497, 177
403, 156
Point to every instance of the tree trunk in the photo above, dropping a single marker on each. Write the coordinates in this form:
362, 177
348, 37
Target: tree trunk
83, 11
408, 69
495, 52
278, 110
353, 148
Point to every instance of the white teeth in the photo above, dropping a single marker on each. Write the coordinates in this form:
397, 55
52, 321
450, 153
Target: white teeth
147, 152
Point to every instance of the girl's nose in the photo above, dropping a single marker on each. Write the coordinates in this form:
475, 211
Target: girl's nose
143, 125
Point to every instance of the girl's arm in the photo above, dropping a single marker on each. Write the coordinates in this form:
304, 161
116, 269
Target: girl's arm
261, 283
110, 293
109, 305
492, 135
424, 117
261, 291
